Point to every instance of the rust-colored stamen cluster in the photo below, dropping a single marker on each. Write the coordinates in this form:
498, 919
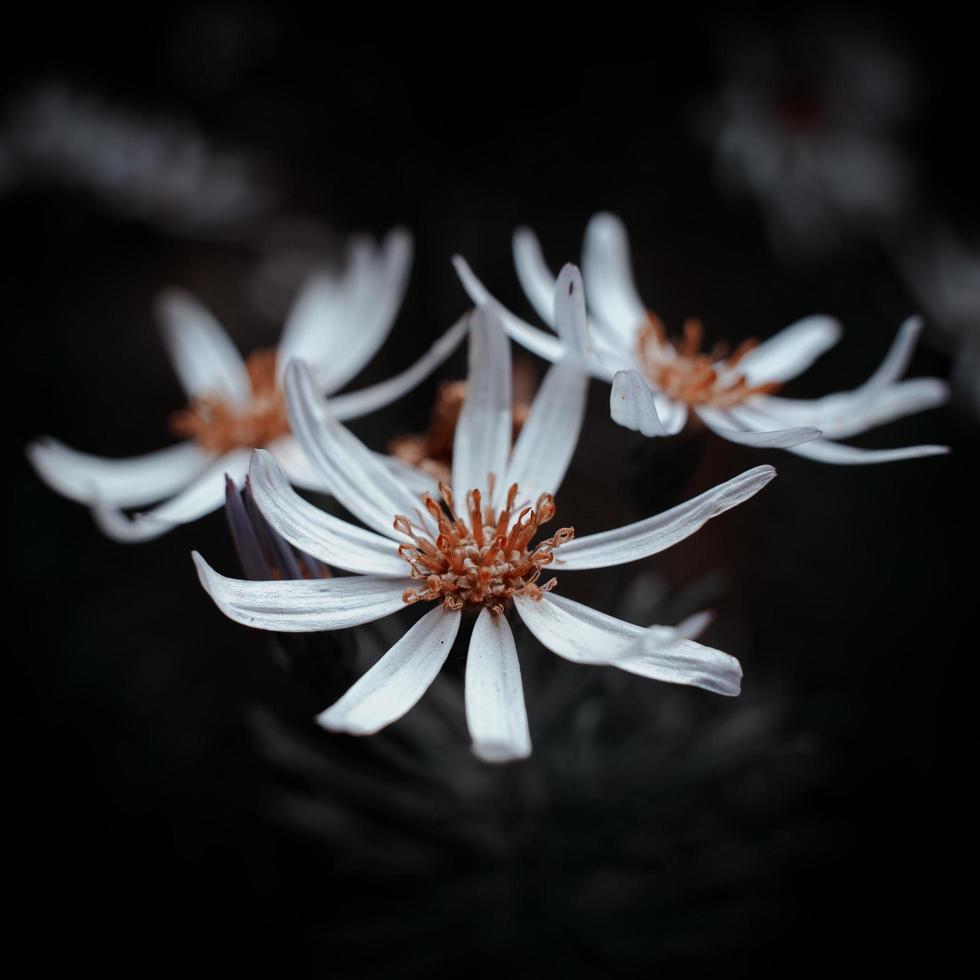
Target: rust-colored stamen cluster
480, 558
219, 426
684, 373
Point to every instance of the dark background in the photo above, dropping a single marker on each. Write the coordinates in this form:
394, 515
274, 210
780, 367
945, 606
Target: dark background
819, 819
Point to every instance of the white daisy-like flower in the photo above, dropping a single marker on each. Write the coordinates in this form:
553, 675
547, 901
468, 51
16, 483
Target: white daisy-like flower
472, 547
336, 325
659, 383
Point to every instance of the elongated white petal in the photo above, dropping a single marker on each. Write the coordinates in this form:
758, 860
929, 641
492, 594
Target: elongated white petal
608, 276
585, 635
203, 355
296, 464
898, 356
416, 480
397, 681
569, 317
724, 425
547, 441
495, 711
483, 433
836, 452
647, 537
353, 473
673, 415
632, 404
357, 403
132, 482
791, 351
537, 280
325, 537
695, 624
204, 494
312, 321
303, 605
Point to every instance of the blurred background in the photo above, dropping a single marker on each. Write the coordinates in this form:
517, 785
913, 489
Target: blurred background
171, 795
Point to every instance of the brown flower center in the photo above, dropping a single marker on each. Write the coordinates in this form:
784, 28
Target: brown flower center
481, 558
219, 426
681, 371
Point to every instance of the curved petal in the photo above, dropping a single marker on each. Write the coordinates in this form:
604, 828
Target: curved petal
548, 438
202, 495
205, 359
303, 605
483, 433
495, 711
570, 318
655, 534
397, 681
353, 473
791, 351
323, 536
585, 635
608, 276
721, 424
537, 280
826, 451
132, 482
312, 322
632, 404
296, 464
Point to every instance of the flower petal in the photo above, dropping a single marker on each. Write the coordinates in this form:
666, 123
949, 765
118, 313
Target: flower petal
495, 711
725, 425
609, 277
205, 359
353, 473
204, 494
655, 534
397, 681
585, 635
569, 316
483, 433
547, 440
632, 404
323, 536
791, 351
537, 280
303, 605
835, 452
132, 482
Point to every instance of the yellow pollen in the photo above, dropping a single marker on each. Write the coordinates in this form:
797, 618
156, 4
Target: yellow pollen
681, 371
479, 557
219, 426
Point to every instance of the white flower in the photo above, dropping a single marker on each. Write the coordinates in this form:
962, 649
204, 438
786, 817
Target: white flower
474, 550
336, 325
658, 383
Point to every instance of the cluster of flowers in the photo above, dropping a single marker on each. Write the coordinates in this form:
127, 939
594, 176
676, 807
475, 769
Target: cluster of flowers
468, 538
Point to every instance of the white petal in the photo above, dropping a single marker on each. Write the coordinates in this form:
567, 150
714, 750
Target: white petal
132, 482
311, 324
547, 440
483, 433
655, 534
724, 425
416, 480
695, 624
296, 464
791, 351
608, 276
673, 415
357, 403
303, 605
585, 635
203, 356
204, 494
898, 356
397, 681
353, 473
569, 317
835, 452
536, 278
325, 537
495, 711
632, 404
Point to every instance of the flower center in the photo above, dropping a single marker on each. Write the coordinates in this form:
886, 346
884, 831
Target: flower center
219, 426
681, 371
480, 558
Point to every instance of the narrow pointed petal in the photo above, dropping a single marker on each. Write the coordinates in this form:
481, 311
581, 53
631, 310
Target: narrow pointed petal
303, 605
608, 274
547, 441
585, 635
632, 404
791, 351
722, 424
353, 473
313, 319
570, 318
655, 534
483, 433
826, 451
897, 359
357, 403
204, 494
203, 355
133, 482
695, 624
537, 280
397, 681
495, 711
323, 536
